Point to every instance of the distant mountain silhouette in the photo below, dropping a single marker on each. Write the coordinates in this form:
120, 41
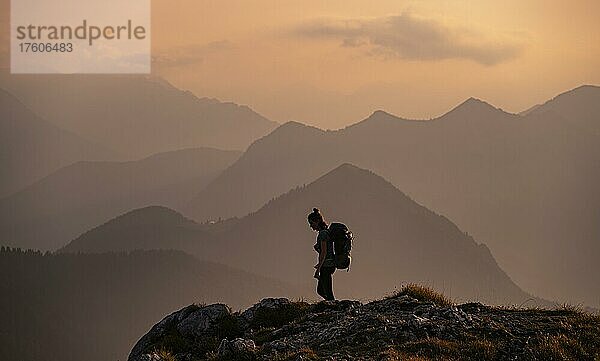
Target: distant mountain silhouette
93, 307
32, 147
153, 227
73, 199
397, 240
291, 155
137, 115
295, 153
580, 104
524, 185
474, 106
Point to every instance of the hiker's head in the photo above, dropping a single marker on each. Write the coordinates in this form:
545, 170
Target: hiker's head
316, 221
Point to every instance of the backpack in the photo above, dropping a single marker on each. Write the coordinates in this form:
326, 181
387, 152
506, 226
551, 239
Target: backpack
341, 237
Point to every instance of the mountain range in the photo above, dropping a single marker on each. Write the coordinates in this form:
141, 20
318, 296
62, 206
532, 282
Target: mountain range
441, 201
522, 184
397, 240
77, 197
136, 116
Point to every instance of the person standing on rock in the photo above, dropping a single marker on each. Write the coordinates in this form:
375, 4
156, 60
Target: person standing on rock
325, 267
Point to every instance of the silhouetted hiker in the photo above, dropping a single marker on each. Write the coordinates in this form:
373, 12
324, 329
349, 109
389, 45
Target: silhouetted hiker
325, 268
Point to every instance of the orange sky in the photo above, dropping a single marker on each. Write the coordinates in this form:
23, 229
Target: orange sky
333, 62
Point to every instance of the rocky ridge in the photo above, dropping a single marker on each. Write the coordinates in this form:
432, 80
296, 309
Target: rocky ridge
414, 324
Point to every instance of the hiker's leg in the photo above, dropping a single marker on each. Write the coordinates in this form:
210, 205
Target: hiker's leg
328, 283
320, 290
331, 284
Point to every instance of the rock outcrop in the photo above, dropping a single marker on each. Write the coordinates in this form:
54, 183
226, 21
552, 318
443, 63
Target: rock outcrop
413, 323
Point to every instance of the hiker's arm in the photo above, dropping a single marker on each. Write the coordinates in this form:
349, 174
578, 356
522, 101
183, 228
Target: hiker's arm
322, 254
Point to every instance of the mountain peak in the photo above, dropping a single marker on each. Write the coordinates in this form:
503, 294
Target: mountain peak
291, 130
349, 172
292, 124
152, 210
154, 216
582, 91
348, 167
378, 117
580, 105
292, 127
142, 228
474, 107
382, 115
475, 103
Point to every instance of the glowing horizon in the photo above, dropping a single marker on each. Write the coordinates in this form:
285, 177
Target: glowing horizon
332, 63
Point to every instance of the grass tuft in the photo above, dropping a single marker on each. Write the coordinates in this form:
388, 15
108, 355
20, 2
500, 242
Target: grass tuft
423, 294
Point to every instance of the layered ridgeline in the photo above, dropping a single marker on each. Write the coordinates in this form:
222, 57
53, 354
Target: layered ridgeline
397, 240
73, 199
93, 307
154, 227
31, 147
524, 185
580, 104
413, 324
137, 115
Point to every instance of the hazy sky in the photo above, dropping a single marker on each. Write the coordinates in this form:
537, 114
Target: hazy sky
332, 62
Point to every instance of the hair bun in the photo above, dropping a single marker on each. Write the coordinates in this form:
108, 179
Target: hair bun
316, 210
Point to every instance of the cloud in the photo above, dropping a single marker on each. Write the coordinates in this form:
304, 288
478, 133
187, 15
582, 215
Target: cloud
189, 54
409, 37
